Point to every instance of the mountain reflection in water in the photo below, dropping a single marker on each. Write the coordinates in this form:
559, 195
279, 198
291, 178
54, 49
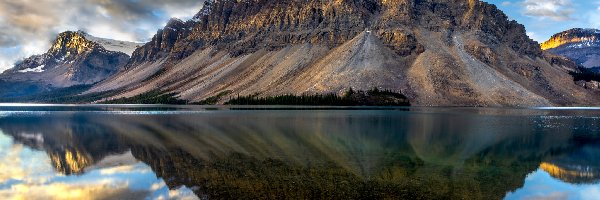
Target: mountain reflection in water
296, 154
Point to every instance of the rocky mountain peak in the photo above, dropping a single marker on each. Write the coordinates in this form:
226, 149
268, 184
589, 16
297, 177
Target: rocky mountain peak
578, 37
579, 44
72, 59
438, 52
243, 26
175, 23
72, 43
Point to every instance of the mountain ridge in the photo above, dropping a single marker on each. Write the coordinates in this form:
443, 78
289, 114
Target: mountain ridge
268, 48
435, 52
580, 45
576, 35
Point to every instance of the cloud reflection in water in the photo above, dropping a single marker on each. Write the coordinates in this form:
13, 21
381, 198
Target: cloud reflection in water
28, 174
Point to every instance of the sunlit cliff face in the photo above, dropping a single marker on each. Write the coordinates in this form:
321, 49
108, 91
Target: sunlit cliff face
571, 36
72, 43
558, 41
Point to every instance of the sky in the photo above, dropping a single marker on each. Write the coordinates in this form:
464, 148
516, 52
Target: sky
27, 27
541, 185
544, 18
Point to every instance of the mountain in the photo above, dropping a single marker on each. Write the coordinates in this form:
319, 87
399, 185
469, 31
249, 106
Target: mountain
579, 45
436, 52
113, 45
75, 58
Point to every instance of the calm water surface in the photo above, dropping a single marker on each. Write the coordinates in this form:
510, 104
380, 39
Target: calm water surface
163, 152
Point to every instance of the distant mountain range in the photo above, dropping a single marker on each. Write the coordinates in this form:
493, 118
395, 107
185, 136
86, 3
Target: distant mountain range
435, 52
579, 45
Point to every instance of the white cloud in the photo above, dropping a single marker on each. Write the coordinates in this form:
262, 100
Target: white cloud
506, 3
590, 193
534, 36
557, 10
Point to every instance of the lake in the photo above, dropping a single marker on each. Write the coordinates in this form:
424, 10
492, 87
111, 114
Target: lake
191, 152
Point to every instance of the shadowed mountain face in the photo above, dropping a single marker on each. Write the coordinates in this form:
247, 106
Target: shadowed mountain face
436, 52
72, 60
579, 45
317, 154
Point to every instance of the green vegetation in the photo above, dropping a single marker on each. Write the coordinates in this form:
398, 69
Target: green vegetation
214, 99
585, 74
152, 97
374, 97
318, 99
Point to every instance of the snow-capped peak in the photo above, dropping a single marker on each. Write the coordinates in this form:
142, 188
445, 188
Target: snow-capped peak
113, 45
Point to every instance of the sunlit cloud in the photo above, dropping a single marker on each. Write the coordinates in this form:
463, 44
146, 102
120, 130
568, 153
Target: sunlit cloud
123, 169
98, 190
18, 163
557, 10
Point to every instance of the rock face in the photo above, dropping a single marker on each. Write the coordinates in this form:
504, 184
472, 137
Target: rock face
437, 52
72, 60
580, 45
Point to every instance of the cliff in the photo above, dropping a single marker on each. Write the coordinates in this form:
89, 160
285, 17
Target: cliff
436, 52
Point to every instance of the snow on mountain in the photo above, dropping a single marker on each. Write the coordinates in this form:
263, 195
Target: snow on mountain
38, 69
113, 45
579, 45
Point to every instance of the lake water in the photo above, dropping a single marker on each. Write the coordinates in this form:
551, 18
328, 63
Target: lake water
186, 152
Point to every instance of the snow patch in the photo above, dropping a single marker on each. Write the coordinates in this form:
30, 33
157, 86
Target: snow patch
114, 45
584, 45
38, 69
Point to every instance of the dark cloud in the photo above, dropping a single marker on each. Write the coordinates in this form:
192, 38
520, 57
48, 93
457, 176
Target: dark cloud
29, 25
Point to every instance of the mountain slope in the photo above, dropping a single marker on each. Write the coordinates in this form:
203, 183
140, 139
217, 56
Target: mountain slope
580, 45
437, 52
72, 60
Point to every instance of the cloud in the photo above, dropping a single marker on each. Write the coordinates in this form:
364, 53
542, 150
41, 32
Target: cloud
506, 3
590, 193
557, 10
28, 26
28, 174
534, 36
